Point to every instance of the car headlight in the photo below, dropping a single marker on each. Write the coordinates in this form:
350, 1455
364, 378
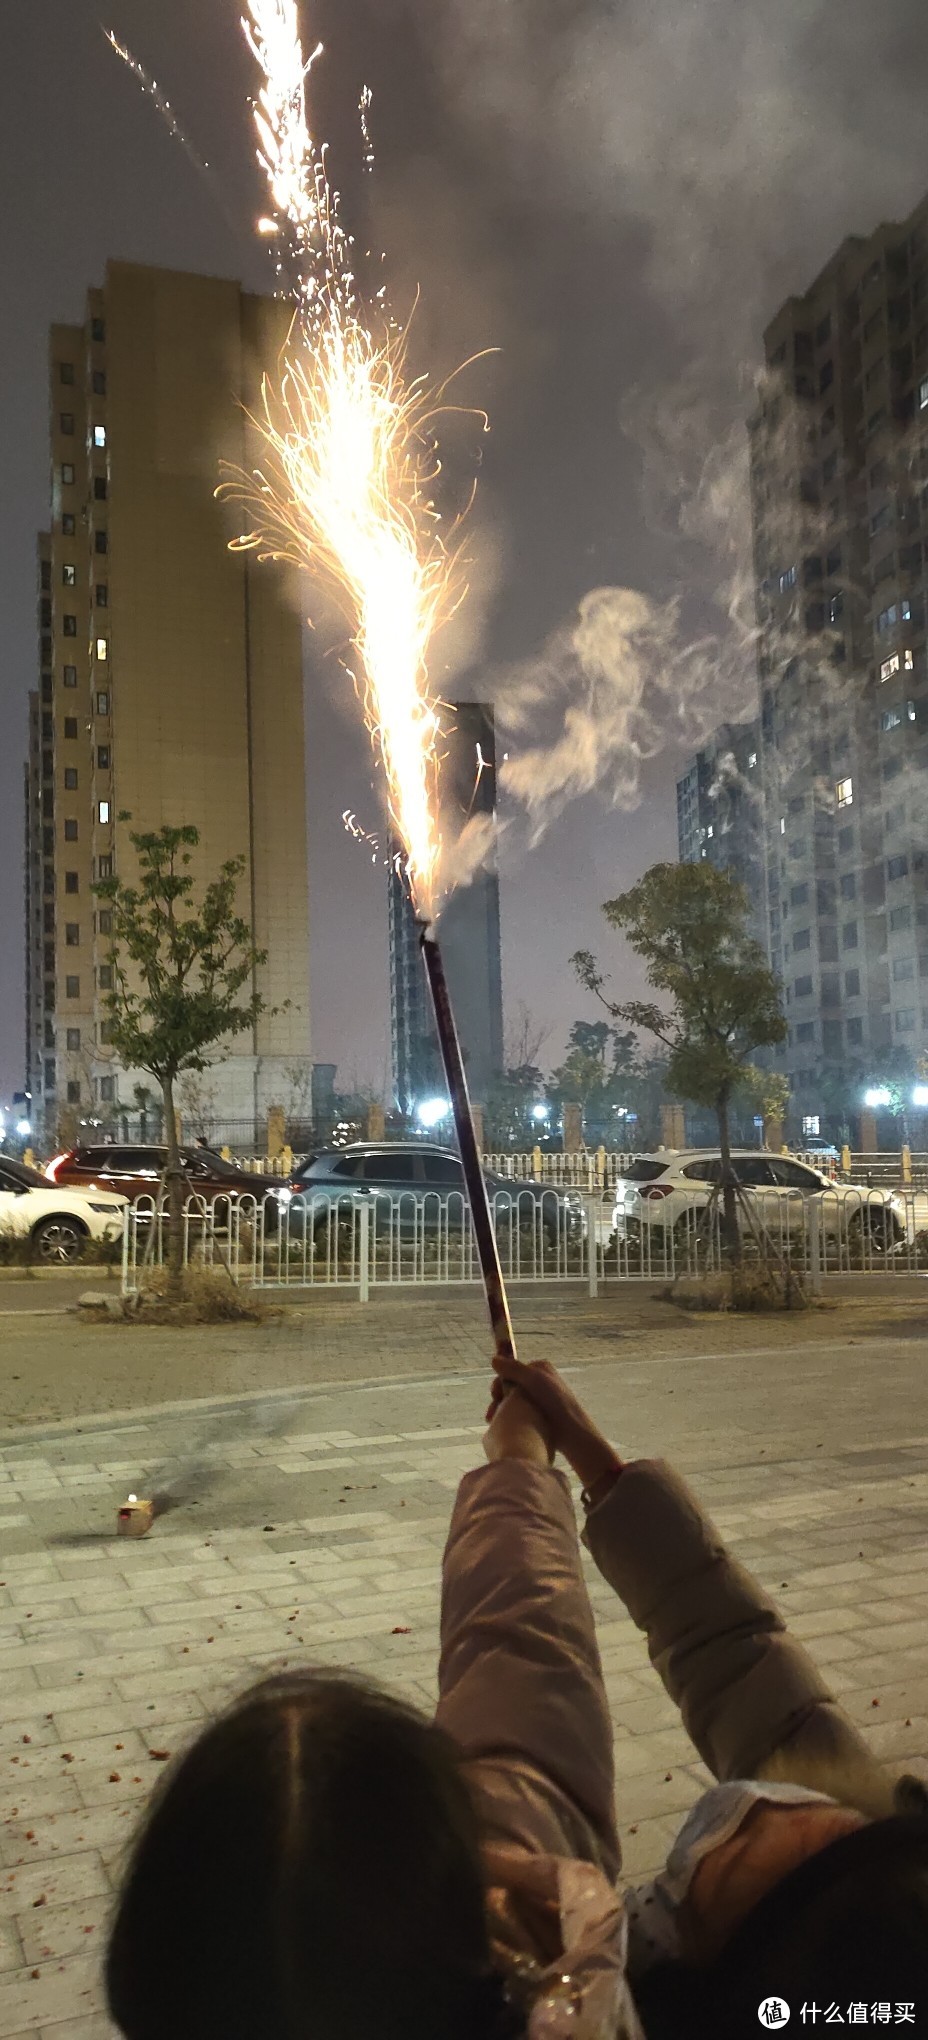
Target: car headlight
109, 1210
283, 1196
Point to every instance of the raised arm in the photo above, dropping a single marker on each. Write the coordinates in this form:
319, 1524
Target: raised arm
520, 1681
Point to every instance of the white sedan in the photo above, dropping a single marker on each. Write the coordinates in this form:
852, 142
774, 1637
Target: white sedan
58, 1222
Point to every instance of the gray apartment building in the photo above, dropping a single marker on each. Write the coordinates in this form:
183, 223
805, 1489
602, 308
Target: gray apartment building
839, 486
720, 810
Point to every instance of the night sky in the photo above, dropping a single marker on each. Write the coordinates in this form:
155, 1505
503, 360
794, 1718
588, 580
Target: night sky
616, 194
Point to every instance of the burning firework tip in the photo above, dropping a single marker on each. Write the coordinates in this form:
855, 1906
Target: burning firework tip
135, 1518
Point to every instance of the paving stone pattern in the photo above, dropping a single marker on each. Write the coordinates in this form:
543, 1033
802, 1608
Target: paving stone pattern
309, 1526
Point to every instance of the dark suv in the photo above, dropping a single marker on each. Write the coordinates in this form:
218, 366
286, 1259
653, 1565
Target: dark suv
137, 1171
384, 1176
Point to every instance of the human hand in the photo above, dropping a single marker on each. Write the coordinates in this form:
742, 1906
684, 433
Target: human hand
571, 1430
517, 1430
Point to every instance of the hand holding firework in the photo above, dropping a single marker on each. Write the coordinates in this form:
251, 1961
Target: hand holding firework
572, 1431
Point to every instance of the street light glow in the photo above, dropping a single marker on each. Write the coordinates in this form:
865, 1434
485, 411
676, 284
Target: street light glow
23, 1128
878, 1096
432, 1111
920, 1095
539, 1111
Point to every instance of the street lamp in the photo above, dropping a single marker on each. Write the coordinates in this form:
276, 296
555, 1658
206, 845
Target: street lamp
540, 1112
432, 1111
876, 1097
920, 1095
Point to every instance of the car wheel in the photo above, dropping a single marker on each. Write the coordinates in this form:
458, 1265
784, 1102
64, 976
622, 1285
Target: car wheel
59, 1242
876, 1226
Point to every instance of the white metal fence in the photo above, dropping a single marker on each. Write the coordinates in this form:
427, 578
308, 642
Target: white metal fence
424, 1238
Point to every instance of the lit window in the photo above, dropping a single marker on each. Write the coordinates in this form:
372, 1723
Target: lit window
782, 825
908, 660
788, 579
711, 829
102, 650
104, 811
905, 609
923, 395
69, 576
844, 793
752, 760
889, 666
890, 718
911, 711
99, 435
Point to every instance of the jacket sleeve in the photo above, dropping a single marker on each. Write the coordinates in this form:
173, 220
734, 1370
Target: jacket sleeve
745, 1688
520, 1682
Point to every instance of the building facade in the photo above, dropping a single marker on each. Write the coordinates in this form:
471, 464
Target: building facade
170, 678
469, 929
720, 811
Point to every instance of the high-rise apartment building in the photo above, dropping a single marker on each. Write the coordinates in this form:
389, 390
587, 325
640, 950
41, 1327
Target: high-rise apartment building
469, 930
839, 485
170, 677
720, 811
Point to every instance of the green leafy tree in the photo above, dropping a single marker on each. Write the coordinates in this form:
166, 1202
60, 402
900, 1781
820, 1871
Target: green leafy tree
184, 972
687, 922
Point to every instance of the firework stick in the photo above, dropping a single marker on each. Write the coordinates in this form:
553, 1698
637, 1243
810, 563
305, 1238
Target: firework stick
487, 1249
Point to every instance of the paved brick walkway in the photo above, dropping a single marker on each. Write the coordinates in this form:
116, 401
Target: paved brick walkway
309, 1525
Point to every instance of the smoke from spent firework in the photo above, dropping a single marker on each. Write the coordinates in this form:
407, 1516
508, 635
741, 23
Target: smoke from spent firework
349, 463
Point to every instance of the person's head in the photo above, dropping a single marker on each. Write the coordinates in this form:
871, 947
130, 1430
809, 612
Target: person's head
309, 1871
837, 1915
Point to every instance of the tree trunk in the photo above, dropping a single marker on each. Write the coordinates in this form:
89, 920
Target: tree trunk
175, 1176
731, 1236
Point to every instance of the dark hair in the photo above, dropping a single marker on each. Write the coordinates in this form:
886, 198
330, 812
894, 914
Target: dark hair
848, 1924
310, 1869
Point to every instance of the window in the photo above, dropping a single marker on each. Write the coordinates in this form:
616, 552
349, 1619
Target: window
835, 607
70, 830
74, 1091
923, 394
68, 524
66, 371
852, 984
98, 381
69, 676
855, 1033
67, 473
897, 867
900, 917
103, 704
101, 595
802, 938
72, 988
903, 969
102, 650
99, 488
66, 423
100, 541
97, 330
70, 881
890, 718
48, 882
103, 757
905, 1020
70, 778
782, 825
105, 921
389, 1169
103, 812
99, 435
908, 661
105, 977
105, 867
107, 1086
50, 1078
69, 626
70, 726
805, 1030
799, 895
752, 760
881, 519
802, 988
844, 793
73, 1039
788, 579
72, 934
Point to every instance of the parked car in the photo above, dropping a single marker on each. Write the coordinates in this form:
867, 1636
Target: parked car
384, 1175
58, 1222
137, 1171
662, 1195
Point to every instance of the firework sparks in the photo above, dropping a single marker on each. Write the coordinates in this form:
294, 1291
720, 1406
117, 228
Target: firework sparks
349, 464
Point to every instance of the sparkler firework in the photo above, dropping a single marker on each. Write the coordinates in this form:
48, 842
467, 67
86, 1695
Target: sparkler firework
345, 488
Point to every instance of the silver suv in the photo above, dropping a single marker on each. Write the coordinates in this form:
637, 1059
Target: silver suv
660, 1198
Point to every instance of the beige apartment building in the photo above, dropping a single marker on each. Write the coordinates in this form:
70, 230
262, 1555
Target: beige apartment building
170, 681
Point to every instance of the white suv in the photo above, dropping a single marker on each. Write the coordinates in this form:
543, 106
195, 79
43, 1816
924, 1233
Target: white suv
660, 1197
57, 1221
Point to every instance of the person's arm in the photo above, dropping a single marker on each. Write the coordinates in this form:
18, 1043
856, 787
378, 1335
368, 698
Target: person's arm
520, 1682
751, 1698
